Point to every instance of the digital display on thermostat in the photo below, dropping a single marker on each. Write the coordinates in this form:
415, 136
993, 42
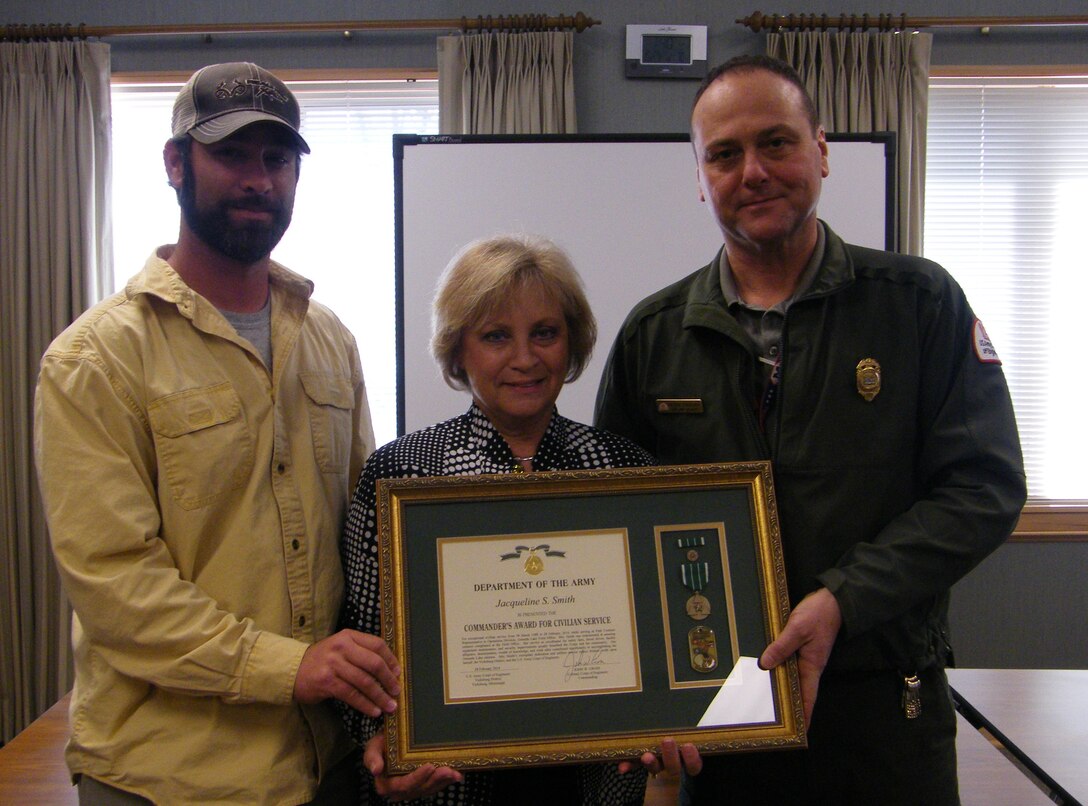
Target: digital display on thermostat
663, 49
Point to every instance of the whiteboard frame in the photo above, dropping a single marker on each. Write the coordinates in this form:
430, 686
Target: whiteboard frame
443, 184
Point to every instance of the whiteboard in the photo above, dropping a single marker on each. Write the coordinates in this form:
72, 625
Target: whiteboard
626, 209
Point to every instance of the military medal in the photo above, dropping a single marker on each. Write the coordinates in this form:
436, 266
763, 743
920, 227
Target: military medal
702, 649
694, 575
690, 543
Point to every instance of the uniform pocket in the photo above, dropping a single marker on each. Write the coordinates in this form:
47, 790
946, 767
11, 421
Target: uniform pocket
330, 400
203, 443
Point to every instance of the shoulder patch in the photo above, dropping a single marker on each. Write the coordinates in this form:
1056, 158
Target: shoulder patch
984, 348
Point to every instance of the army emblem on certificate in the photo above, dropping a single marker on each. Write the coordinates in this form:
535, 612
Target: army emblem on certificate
533, 563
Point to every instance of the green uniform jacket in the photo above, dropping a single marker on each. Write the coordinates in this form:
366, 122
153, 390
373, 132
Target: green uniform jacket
885, 502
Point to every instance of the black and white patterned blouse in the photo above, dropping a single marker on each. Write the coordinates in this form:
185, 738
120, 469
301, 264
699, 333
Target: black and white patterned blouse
470, 445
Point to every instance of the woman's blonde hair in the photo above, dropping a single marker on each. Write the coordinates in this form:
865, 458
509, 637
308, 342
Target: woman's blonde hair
484, 275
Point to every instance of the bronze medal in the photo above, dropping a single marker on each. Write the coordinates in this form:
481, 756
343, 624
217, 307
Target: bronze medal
694, 576
698, 607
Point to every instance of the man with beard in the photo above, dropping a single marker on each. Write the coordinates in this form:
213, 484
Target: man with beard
198, 436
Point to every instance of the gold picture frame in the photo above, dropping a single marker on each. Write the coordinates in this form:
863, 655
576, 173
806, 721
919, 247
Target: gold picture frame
573, 616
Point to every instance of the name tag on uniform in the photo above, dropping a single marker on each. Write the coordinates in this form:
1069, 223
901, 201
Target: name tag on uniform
679, 405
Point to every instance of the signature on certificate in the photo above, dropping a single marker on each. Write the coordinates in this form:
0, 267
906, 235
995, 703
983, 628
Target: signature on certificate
582, 660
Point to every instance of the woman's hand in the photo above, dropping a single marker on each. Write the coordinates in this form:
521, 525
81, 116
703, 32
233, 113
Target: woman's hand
672, 760
419, 783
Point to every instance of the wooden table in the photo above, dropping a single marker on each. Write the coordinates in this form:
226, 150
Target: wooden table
1045, 713
32, 768
1039, 715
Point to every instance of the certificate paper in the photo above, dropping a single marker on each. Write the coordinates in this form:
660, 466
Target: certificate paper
537, 615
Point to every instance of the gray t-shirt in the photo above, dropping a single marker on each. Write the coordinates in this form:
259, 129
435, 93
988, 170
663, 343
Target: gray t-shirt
256, 328
765, 325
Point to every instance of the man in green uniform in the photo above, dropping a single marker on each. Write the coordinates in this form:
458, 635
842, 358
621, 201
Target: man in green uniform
867, 380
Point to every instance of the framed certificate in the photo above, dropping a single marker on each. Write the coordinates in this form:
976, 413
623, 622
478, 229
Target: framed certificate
545, 618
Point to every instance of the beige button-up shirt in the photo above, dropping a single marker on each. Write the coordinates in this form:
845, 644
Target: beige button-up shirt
195, 503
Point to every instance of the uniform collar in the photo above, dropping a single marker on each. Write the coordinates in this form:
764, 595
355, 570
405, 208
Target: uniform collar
706, 304
808, 275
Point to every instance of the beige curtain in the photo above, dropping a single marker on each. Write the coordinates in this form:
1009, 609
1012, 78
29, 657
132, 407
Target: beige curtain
868, 82
506, 83
54, 246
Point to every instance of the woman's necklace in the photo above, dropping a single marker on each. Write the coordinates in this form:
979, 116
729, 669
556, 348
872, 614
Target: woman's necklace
520, 463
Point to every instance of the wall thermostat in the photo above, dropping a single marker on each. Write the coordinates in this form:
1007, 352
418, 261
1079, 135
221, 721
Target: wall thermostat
666, 51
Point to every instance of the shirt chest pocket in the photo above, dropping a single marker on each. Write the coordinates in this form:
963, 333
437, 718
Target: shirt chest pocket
203, 443
330, 400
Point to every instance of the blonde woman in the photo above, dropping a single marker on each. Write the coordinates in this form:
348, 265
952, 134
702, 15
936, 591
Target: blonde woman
511, 326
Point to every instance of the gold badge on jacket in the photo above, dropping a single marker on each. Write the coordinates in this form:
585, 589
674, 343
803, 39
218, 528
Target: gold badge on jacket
868, 378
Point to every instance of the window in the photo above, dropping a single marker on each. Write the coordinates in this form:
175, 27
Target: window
1006, 198
341, 236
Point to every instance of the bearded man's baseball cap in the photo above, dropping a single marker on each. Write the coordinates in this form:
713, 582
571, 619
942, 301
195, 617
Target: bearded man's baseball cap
220, 99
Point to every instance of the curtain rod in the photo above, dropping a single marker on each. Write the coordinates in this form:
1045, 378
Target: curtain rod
758, 21
510, 22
